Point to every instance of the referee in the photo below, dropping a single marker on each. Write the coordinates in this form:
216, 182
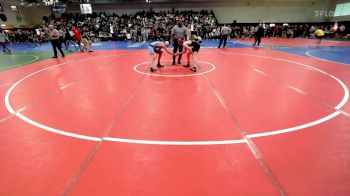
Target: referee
224, 34
178, 32
54, 37
259, 34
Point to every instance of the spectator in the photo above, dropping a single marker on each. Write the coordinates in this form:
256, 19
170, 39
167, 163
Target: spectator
4, 40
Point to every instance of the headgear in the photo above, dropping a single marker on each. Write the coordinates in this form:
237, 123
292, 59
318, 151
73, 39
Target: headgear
198, 39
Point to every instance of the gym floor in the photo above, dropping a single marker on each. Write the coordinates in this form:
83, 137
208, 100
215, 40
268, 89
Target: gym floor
269, 120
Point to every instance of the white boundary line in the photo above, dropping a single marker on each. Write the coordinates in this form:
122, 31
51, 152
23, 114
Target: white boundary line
313, 123
310, 124
50, 129
175, 143
174, 76
308, 54
7, 68
153, 142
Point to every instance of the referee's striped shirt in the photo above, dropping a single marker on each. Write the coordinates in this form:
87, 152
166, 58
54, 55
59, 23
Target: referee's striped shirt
225, 30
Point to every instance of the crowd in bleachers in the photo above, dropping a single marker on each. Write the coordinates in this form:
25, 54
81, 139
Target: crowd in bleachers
141, 26
150, 25
292, 30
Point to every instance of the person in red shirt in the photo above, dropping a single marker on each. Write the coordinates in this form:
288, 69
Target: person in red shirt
153, 34
77, 36
276, 31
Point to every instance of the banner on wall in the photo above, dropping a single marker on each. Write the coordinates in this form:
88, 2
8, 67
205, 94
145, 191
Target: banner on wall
86, 8
342, 9
59, 8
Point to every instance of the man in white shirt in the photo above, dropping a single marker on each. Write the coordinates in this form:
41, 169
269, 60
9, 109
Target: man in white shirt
4, 40
342, 29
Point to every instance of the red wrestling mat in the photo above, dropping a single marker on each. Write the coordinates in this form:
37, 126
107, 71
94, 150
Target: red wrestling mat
249, 122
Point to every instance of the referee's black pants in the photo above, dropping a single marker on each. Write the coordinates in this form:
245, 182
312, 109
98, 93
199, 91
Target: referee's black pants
257, 40
177, 47
223, 38
56, 44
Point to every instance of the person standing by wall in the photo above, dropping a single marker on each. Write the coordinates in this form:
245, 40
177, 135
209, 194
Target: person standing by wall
54, 37
342, 29
4, 40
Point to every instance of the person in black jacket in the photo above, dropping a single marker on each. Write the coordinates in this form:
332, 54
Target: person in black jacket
259, 34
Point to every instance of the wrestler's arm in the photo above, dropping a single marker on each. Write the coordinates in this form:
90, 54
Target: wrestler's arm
187, 47
166, 49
